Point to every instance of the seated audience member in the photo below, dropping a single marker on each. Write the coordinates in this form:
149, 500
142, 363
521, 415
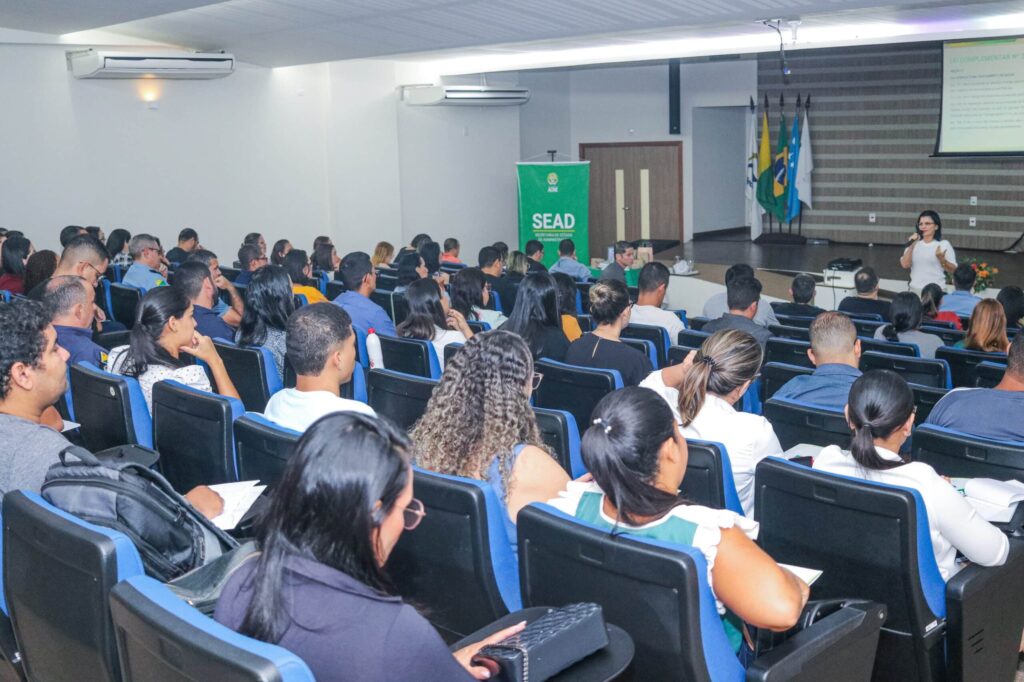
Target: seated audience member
490, 263
961, 301
411, 268
14, 255
70, 232
931, 299
881, 417
319, 241
319, 588
249, 261
232, 314
83, 257
802, 292
568, 264
988, 412
471, 295
282, 247
637, 457
147, 270
744, 299
299, 268
96, 233
431, 319
360, 280
535, 318
382, 254
257, 240
188, 243
413, 247
430, 252
451, 251
835, 352
117, 248
71, 302
518, 266
905, 327
987, 331
647, 309
193, 279
39, 267
701, 392
161, 343
502, 249
866, 301
322, 351
479, 424
567, 293
325, 259
269, 305
718, 305
602, 348
624, 255
1012, 299
535, 256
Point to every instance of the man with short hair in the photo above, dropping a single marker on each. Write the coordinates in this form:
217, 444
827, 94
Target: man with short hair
360, 280
866, 301
451, 251
85, 257
567, 262
490, 263
835, 353
322, 351
148, 259
250, 260
744, 294
70, 232
624, 257
71, 302
992, 413
194, 280
188, 242
961, 301
232, 314
535, 256
718, 305
647, 309
802, 292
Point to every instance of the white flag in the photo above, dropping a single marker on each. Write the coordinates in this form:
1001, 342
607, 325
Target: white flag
753, 207
806, 165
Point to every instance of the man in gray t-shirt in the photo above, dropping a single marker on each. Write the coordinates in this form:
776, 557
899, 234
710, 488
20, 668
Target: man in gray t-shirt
27, 450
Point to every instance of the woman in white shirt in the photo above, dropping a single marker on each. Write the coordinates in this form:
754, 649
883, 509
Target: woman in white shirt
470, 296
163, 338
880, 412
431, 319
702, 391
928, 256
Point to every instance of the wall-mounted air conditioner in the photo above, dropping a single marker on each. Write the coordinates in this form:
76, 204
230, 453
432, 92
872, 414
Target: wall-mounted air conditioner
464, 95
184, 65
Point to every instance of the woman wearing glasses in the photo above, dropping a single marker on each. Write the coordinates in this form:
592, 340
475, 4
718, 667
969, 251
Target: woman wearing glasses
479, 424
319, 587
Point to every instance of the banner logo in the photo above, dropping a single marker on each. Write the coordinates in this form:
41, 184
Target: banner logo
552, 182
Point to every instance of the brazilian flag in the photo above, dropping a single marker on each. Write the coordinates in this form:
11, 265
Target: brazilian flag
780, 172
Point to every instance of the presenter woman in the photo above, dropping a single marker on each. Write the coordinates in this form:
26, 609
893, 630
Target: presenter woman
928, 256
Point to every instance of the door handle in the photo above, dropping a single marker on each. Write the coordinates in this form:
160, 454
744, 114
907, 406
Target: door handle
625, 208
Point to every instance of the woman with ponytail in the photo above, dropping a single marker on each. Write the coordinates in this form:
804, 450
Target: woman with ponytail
637, 457
907, 313
880, 413
161, 343
701, 392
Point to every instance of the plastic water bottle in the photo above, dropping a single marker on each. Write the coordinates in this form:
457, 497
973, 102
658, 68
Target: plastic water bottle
373, 351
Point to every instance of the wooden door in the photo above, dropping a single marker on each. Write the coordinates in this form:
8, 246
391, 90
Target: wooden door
636, 192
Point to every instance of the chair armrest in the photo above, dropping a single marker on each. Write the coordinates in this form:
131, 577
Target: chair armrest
840, 648
984, 619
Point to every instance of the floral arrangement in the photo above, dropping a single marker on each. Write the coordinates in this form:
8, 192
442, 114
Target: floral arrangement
985, 274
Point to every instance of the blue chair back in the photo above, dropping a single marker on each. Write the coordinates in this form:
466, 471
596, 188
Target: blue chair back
798, 422
262, 448
362, 355
787, 332
775, 375
253, 371
559, 430
497, 302
961, 455
160, 637
300, 300
110, 408
5, 295
963, 363
922, 371
103, 299
709, 480
646, 347
988, 374
925, 399
692, 338
410, 356
576, 390
751, 400
658, 336
949, 336
788, 351
795, 320
910, 350
400, 397
124, 300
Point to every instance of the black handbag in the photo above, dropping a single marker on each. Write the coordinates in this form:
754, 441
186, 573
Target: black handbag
548, 645
201, 587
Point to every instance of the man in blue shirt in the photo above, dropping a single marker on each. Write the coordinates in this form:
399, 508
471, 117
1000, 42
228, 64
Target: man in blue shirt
70, 299
145, 272
194, 280
250, 260
961, 301
988, 412
835, 352
567, 262
360, 281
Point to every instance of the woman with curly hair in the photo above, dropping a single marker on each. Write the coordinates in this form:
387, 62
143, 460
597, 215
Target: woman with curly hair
479, 424
987, 331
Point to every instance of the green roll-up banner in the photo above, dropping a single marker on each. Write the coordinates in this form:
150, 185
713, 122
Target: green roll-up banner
554, 203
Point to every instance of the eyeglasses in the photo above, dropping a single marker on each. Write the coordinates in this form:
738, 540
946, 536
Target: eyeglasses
99, 274
537, 378
413, 514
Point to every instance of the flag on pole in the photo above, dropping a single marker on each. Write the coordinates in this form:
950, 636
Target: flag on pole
765, 196
802, 180
753, 209
792, 197
780, 166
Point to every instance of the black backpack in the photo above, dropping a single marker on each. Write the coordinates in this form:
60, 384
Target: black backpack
127, 496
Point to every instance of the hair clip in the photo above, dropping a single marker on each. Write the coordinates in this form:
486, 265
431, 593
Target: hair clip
603, 423
708, 360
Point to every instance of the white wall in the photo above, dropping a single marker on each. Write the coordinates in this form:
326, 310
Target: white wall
719, 157
545, 121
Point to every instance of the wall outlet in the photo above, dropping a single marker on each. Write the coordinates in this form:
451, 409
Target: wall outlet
972, 221
974, 201
872, 218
